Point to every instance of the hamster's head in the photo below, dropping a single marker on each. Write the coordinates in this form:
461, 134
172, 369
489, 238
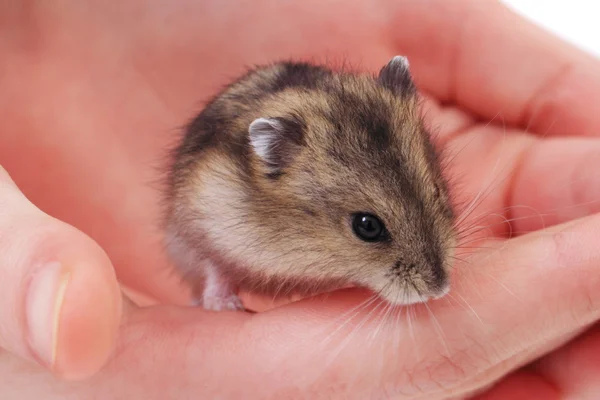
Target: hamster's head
348, 187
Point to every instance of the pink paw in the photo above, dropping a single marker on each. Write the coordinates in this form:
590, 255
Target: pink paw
228, 303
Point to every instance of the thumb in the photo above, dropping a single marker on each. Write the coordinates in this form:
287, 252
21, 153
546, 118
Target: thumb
60, 303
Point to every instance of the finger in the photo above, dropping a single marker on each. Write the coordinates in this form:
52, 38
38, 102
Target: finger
558, 180
482, 56
493, 324
574, 368
522, 385
59, 298
510, 183
460, 342
492, 61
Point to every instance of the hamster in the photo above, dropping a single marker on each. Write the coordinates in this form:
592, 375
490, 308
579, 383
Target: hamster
298, 178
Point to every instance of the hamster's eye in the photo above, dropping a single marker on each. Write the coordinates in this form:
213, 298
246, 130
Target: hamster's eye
368, 227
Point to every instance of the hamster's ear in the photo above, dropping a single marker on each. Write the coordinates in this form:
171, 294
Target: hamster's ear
396, 77
276, 141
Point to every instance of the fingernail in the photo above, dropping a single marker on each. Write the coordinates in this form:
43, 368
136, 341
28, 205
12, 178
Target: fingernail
3, 172
43, 305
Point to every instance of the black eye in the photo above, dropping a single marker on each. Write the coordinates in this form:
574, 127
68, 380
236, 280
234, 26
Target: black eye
368, 227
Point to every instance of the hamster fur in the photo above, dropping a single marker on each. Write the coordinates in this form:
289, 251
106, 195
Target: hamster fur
298, 178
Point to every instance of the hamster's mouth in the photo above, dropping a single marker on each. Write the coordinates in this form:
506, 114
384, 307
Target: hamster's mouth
400, 297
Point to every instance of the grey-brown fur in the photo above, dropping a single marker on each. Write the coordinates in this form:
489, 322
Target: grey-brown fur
349, 143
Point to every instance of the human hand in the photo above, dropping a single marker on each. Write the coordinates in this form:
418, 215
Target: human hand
136, 73
60, 303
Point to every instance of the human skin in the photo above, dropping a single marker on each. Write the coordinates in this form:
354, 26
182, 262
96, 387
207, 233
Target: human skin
92, 95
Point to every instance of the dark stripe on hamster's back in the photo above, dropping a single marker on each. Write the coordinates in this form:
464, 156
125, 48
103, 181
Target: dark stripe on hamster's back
213, 119
214, 125
300, 75
285, 75
362, 115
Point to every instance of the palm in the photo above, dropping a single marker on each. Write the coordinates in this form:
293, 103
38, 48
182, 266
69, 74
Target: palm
97, 96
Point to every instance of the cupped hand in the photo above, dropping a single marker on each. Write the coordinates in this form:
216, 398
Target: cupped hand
92, 96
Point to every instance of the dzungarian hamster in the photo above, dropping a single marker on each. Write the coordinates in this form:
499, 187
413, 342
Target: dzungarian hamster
298, 178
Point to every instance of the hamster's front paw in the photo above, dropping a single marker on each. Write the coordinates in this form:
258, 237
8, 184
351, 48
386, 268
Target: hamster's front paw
222, 303
218, 294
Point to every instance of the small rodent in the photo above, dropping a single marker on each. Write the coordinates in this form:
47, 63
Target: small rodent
298, 178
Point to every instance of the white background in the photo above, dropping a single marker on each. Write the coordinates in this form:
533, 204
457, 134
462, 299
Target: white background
577, 21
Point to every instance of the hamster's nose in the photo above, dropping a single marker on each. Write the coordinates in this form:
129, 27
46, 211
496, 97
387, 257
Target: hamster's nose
438, 294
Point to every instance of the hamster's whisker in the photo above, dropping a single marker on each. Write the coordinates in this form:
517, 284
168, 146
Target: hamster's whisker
534, 115
394, 326
462, 247
486, 215
470, 308
474, 224
336, 350
410, 310
380, 321
397, 310
507, 221
334, 354
499, 283
477, 221
452, 300
479, 198
355, 311
524, 206
383, 321
395, 330
435, 321
447, 162
462, 242
397, 315
473, 231
459, 259
284, 281
484, 192
438, 329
